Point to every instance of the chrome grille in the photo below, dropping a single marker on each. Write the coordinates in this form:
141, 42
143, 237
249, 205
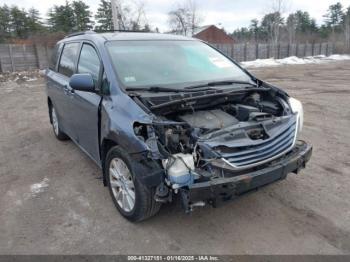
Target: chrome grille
245, 157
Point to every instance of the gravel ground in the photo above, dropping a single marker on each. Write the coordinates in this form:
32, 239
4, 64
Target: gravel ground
52, 200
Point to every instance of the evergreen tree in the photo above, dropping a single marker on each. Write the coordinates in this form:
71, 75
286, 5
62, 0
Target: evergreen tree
304, 22
5, 22
255, 29
19, 22
324, 31
271, 25
146, 28
61, 18
104, 16
82, 16
242, 34
33, 21
291, 26
334, 16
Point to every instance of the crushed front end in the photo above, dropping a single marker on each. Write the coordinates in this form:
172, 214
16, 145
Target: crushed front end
214, 145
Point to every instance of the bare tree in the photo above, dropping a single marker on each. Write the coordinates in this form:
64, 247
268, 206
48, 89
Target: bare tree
346, 22
129, 16
185, 18
277, 9
291, 27
281, 6
272, 24
178, 21
195, 17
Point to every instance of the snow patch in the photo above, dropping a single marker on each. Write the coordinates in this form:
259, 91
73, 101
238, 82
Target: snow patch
39, 187
27, 79
338, 57
19, 77
293, 60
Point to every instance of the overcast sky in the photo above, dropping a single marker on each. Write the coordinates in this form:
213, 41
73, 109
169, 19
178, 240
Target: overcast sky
231, 14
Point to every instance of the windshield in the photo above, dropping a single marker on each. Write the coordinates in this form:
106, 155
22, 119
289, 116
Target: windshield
171, 63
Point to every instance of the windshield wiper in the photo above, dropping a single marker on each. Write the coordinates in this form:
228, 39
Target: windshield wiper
200, 87
221, 83
162, 89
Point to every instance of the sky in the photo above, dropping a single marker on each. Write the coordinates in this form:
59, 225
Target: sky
230, 14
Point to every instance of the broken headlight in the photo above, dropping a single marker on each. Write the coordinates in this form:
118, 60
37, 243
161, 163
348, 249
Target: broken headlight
297, 108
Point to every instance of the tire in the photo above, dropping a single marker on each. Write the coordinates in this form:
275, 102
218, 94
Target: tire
126, 184
55, 125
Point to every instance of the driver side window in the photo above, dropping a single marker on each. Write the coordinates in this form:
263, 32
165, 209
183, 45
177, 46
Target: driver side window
89, 62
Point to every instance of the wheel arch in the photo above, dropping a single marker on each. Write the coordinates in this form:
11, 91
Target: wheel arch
49, 105
106, 145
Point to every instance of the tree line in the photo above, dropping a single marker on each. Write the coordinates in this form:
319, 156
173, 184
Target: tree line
184, 18
73, 16
298, 27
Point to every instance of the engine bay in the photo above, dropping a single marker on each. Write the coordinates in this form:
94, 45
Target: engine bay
210, 133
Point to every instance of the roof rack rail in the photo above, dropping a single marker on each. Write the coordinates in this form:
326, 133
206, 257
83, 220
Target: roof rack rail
123, 31
80, 33
103, 31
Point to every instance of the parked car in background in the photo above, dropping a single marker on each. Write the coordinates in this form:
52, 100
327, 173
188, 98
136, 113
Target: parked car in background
167, 116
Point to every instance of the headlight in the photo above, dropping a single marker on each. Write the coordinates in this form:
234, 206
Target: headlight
297, 108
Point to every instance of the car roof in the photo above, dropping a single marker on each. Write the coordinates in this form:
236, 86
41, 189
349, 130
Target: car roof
123, 36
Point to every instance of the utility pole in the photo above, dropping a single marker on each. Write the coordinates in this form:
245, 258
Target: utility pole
115, 14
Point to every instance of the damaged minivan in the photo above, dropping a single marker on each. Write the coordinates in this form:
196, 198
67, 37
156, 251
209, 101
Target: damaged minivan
171, 118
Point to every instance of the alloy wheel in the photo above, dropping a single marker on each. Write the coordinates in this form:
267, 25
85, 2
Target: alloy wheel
122, 184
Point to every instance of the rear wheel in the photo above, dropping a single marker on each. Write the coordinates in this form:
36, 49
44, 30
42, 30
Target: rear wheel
133, 200
55, 125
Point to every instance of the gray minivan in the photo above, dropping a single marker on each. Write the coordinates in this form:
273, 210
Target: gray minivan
169, 117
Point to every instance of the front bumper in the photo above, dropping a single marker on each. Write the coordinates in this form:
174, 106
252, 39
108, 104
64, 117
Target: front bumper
222, 189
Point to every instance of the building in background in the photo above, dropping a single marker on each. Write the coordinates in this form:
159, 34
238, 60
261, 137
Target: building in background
213, 35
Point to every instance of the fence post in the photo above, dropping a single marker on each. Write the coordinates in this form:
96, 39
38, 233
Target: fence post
332, 48
25, 56
232, 48
245, 52
327, 49
296, 49
11, 58
47, 57
312, 48
288, 50
279, 51
36, 55
320, 49
305, 48
268, 51
256, 50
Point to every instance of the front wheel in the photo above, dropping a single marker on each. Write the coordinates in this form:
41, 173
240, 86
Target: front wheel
55, 125
133, 200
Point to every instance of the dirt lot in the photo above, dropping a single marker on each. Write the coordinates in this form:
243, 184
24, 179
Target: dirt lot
52, 199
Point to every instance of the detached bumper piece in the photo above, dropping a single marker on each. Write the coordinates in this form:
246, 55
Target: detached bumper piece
223, 189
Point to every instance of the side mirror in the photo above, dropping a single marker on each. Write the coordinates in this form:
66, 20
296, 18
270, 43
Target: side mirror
82, 82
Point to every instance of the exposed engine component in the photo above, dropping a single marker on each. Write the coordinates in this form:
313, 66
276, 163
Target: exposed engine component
177, 139
231, 133
243, 112
211, 119
257, 133
263, 105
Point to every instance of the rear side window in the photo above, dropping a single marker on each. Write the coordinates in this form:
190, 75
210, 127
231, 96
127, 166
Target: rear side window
54, 56
89, 62
68, 58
